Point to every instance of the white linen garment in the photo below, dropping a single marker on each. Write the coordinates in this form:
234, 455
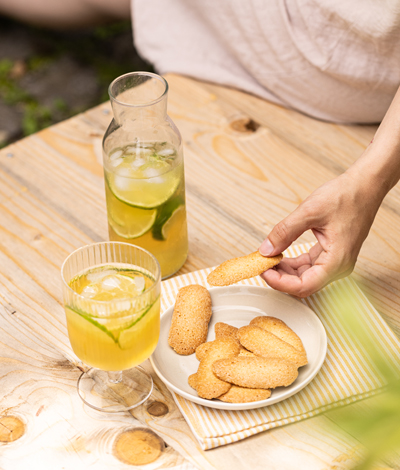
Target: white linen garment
336, 60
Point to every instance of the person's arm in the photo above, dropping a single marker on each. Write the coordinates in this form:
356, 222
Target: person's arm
340, 214
68, 14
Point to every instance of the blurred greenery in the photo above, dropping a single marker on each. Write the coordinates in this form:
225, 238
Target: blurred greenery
107, 51
378, 427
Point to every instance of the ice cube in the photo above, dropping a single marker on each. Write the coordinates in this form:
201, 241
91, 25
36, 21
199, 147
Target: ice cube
150, 172
166, 152
89, 291
140, 284
142, 152
116, 154
122, 184
116, 162
97, 276
126, 172
138, 162
130, 149
110, 282
145, 145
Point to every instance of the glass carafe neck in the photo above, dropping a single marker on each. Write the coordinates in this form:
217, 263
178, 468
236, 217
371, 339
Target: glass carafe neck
139, 96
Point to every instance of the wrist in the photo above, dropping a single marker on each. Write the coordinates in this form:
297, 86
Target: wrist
376, 171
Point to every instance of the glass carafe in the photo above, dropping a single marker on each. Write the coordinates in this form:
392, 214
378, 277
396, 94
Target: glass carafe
143, 170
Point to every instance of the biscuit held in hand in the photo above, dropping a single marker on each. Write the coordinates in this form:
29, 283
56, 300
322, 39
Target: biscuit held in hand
189, 324
265, 344
245, 267
256, 372
204, 381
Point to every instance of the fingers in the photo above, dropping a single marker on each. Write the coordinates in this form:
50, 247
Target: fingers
303, 275
286, 232
309, 279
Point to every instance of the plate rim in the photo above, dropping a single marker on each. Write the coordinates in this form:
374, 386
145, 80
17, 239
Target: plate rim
256, 404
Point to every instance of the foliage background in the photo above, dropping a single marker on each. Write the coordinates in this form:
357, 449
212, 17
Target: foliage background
47, 76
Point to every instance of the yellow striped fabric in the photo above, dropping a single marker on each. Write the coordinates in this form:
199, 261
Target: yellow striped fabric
347, 375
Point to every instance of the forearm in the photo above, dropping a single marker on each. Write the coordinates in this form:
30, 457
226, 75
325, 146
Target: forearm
379, 165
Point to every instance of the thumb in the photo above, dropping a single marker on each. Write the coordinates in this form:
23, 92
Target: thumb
284, 234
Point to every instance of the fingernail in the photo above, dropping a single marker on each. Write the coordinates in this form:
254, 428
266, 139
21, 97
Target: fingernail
266, 247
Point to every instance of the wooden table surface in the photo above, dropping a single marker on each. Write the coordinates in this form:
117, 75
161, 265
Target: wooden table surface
248, 163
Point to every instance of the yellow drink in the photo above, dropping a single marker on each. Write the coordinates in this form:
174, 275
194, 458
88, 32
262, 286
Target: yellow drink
113, 326
145, 197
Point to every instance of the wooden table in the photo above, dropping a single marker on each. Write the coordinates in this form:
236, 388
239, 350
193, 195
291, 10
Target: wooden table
248, 164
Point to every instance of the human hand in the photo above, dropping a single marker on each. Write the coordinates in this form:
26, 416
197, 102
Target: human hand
340, 214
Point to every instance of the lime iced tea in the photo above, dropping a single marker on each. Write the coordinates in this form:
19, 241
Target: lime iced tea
145, 197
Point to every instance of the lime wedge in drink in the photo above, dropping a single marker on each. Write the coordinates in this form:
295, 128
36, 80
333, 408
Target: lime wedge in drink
130, 222
129, 332
148, 187
166, 217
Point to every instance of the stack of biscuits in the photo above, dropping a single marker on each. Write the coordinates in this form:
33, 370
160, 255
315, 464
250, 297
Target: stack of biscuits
242, 364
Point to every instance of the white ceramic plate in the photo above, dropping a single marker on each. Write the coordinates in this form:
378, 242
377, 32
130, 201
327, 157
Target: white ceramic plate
237, 305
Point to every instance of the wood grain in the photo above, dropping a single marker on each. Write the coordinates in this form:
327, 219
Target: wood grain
248, 164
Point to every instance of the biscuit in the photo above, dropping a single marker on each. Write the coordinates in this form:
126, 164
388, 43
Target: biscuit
189, 325
223, 329
205, 382
245, 352
201, 350
192, 380
256, 372
245, 267
244, 395
265, 344
279, 328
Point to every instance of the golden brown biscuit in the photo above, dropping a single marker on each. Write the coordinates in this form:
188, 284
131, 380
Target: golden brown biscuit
201, 350
192, 381
256, 372
223, 329
279, 328
245, 352
189, 325
245, 267
244, 395
206, 383
265, 344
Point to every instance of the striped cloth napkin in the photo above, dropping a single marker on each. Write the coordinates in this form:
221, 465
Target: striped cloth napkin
346, 376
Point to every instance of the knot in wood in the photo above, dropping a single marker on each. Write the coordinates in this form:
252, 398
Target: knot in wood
138, 446
157, 408
245, 125
11, 428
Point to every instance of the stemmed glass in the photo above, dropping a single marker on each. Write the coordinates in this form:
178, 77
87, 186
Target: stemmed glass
111, 296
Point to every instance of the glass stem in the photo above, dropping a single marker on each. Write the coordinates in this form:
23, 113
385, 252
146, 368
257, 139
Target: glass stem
114, 376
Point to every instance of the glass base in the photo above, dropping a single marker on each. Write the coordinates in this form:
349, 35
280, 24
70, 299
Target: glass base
115, 392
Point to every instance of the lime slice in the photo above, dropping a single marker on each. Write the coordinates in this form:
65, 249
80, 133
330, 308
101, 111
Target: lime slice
91, 320
129, 332
130, 222
166, 216
170, 222
156, 184
114, 334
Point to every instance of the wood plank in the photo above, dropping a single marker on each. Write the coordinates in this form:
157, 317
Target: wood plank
248, 164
